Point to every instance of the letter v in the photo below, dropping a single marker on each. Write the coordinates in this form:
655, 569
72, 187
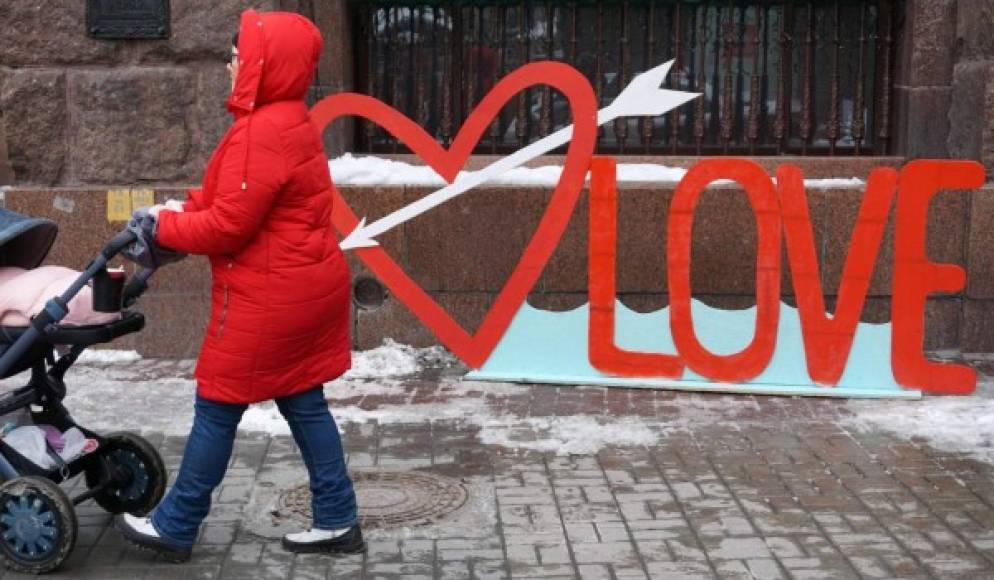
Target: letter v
828, 338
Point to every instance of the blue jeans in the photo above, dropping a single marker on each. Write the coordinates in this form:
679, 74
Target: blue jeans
208, 450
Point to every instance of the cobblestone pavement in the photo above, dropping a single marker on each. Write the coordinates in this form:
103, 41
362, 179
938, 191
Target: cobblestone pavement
774, 488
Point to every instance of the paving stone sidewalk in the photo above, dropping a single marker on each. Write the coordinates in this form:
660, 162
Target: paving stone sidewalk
777, 489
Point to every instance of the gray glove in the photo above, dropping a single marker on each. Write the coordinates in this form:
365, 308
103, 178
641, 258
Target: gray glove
144, 251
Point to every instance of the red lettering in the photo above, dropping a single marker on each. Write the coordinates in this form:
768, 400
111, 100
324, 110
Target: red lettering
828, 339
915, 277
750, 361
604, 354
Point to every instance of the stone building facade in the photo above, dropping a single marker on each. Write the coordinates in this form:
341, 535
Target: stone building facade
80, 116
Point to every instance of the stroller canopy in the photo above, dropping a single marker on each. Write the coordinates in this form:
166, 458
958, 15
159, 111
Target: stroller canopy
25, 241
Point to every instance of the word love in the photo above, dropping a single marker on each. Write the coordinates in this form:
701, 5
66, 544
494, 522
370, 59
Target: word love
781, 211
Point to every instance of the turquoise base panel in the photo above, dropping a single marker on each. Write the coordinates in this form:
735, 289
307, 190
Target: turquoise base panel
541, 346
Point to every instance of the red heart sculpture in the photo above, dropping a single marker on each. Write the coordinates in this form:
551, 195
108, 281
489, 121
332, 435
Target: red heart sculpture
474, 349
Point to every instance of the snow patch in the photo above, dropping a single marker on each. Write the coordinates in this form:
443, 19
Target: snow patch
371, 170
266, 417
108, 356
575, 434
349, 389
391, 359
963, 424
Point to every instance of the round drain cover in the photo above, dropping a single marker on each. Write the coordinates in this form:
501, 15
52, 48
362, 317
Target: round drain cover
387, 498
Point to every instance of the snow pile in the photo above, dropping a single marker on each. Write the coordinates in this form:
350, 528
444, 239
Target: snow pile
391, 359
371, 170
949, 423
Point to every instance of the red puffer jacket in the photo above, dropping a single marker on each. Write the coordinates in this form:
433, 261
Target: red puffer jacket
280, 297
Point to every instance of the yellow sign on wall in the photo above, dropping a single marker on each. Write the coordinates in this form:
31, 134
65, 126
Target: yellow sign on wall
122, 202
142, 198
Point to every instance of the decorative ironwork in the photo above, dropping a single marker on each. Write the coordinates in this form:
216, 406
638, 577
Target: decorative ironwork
757, 63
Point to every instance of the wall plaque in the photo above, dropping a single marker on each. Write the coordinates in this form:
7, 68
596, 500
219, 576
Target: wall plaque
127, 19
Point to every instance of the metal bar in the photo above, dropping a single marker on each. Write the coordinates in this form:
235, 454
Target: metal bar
545, 120
90, 493
858, 116
713, 120
755, 91
621, 124
372, 69
701, 86
469, 73
781, 128
807, 108
446, 78
421, 106
727, 97
521, 125
575, 38
764, 91
411, 80
396, 94
832, 131
738, 117
498, 43
677, 28
458, 72
647, 122
883, 117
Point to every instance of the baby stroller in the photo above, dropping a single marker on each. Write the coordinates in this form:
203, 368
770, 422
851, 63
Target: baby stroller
124, 473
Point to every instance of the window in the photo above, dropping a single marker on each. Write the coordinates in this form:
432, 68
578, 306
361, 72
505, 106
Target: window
813, 78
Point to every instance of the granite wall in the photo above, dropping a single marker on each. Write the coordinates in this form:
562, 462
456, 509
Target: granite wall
80, 116
484, 233
78, 111
945, 81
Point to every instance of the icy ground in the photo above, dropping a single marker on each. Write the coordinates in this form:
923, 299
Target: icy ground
112, 390
950, 423
371, 170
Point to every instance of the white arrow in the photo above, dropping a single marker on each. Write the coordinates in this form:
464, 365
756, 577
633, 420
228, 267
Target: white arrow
642, 97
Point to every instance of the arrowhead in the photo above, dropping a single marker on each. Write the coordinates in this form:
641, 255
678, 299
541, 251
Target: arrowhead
644, 97
359, 238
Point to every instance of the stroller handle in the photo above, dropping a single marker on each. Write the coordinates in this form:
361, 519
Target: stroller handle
118, 243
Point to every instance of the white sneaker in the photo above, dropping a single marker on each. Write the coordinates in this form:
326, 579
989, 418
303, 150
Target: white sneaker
141, 525
343, 541
313, 535
139, 531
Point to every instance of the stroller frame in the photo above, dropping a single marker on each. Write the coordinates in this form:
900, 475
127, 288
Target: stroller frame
124, 473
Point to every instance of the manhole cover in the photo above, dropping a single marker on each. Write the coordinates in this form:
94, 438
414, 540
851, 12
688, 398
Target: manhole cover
386, 498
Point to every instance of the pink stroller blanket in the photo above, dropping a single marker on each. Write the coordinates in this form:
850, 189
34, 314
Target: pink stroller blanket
23, 294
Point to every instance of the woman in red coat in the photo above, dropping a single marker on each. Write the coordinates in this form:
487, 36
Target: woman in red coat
279, 324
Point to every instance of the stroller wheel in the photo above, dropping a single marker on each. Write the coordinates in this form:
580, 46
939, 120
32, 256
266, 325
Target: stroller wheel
37, 525
136, 473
